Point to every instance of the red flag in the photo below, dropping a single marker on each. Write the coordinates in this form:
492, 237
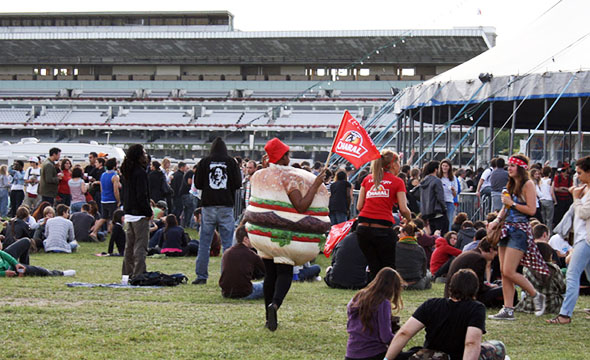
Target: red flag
337, 233
353, 143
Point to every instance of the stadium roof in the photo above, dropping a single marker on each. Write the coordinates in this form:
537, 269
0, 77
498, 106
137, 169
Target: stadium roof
191, 45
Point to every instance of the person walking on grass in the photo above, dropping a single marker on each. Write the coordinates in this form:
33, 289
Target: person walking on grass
580, 259
138, 212
517, 245
49, 179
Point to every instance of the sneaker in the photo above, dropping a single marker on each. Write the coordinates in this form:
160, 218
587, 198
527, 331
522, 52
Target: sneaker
199, 282
318, 278
539, 301
503, 314
272, 317
69, 272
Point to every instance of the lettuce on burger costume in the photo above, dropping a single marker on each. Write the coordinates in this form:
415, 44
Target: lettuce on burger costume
282, 235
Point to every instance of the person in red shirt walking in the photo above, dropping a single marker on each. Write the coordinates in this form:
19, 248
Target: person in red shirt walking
380, 192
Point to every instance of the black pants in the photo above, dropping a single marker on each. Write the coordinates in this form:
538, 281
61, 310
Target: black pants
378, 246
16, 199
277, 282
444, 269
439, 223
20, 251
51, 199
376, 357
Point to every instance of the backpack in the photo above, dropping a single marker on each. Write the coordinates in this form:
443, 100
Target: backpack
156, 278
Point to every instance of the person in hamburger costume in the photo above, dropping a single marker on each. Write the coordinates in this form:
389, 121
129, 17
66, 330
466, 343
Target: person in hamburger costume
286, 219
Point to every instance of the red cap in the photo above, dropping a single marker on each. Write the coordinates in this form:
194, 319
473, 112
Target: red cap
275, 149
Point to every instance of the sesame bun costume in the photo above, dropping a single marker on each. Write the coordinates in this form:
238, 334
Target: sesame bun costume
275, 228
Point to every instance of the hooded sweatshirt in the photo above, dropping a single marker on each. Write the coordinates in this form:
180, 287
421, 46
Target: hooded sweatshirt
218, 175
464, 237
432, 198
442, 253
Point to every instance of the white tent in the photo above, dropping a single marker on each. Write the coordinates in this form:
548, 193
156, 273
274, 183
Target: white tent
549, 58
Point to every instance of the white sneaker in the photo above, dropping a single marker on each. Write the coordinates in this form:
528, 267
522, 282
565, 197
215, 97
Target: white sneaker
69, 272
503, 314
506, 357
539, 301
318, 278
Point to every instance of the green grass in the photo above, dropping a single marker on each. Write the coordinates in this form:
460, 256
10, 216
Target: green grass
41, 318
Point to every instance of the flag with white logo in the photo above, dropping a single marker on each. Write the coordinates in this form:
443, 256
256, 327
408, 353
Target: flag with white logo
353, 143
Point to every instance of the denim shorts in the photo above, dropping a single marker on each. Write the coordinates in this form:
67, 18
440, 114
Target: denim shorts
516, 239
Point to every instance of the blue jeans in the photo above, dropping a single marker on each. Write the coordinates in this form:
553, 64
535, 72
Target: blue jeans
450, 213
496, 201
213, 216
338, 217
580, 261
257, 292
188, 206
3, 202
76, 207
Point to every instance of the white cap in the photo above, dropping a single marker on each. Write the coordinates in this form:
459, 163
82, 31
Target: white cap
34, 159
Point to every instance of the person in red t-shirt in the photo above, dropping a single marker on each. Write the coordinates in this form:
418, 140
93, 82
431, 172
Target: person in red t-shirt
562, 183
380, 191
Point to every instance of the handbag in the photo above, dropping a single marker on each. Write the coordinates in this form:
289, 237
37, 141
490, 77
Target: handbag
494, 235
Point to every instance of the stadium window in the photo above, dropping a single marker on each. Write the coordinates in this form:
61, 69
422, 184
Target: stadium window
76, 71
63, 71
36, 71
55, 72
43, 72
364, 72
321, 72
342, 72
408, 72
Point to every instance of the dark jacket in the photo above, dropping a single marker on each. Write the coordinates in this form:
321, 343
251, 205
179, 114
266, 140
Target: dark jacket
136, 194
16, 229
473, 260
240, 266
173, 238
157, 182
410, 261
176, 183
432, 198
218, 175
48, 180
464, 237
349, 265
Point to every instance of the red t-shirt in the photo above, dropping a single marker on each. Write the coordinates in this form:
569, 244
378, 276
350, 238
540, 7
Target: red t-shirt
379, 202
562, 181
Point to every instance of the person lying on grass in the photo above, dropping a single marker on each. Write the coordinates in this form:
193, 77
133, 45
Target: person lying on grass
11, 267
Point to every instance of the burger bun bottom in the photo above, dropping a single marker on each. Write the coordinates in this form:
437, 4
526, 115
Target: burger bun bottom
296, 253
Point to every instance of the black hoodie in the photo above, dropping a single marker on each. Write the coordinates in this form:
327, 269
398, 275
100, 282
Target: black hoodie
218, 175
432, 198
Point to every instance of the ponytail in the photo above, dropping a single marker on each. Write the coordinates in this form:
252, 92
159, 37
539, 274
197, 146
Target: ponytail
382, 164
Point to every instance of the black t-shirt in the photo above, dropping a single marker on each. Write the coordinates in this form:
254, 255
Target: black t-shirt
82, 223
446, 323
185, 187
338, 194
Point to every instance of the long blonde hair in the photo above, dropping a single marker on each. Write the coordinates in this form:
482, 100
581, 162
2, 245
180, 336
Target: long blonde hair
382, 164
3, 170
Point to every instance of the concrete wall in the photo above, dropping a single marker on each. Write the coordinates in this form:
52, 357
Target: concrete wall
292, 70
426, 70
382, 69
211, 70
16, 70
168, 70
442, 68
134, 69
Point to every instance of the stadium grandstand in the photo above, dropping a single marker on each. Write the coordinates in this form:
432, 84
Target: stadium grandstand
176, 80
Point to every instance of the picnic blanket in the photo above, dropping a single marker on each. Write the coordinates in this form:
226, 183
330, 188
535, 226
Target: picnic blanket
114, 285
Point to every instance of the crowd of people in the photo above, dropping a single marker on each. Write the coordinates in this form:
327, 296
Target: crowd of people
407, 235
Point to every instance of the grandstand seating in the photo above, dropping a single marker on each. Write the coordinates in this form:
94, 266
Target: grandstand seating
15, 116
157, 118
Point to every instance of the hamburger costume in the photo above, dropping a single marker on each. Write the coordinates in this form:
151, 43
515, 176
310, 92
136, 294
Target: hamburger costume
283, 236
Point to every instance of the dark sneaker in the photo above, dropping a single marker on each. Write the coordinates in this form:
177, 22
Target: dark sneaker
503, 314
199, 282
539, 302
272, 317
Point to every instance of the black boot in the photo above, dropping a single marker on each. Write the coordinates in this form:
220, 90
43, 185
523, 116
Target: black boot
271, 315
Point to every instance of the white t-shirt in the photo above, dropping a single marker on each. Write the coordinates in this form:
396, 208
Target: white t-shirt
36, 174
580, 225
486, 178
559, 244
544, 189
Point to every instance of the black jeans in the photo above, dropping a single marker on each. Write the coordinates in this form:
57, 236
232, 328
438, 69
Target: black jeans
16, 199
20, 251
439, 223
277, 282
51, 200
378, 246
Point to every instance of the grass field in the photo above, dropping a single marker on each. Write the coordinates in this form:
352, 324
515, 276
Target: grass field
42, 318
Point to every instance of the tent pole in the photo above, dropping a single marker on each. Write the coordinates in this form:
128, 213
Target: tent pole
491, 152
475, 149
528, 148
399, 130
411, 142
460, 144
513, 128
545, 130
421, 134
432, 133
449, 118
579, 146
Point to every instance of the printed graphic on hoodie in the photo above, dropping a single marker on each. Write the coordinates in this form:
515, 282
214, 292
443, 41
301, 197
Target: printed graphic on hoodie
217, 175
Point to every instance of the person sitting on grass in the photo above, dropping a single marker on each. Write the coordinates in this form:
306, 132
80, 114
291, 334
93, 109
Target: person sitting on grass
410, 259
59, 232
117, 234
39, 235
453, 326
553, 287
17, 228
479, 234
239, 266
172, 239
11, 267
443, 254
465, 235
349, 266
83, 222
370, 322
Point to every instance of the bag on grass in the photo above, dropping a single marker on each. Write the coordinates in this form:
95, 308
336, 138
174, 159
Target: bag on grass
156, 278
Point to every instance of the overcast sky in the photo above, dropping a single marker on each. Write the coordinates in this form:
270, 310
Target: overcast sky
506, 15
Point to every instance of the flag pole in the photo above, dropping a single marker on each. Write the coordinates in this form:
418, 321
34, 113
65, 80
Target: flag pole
334, 140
